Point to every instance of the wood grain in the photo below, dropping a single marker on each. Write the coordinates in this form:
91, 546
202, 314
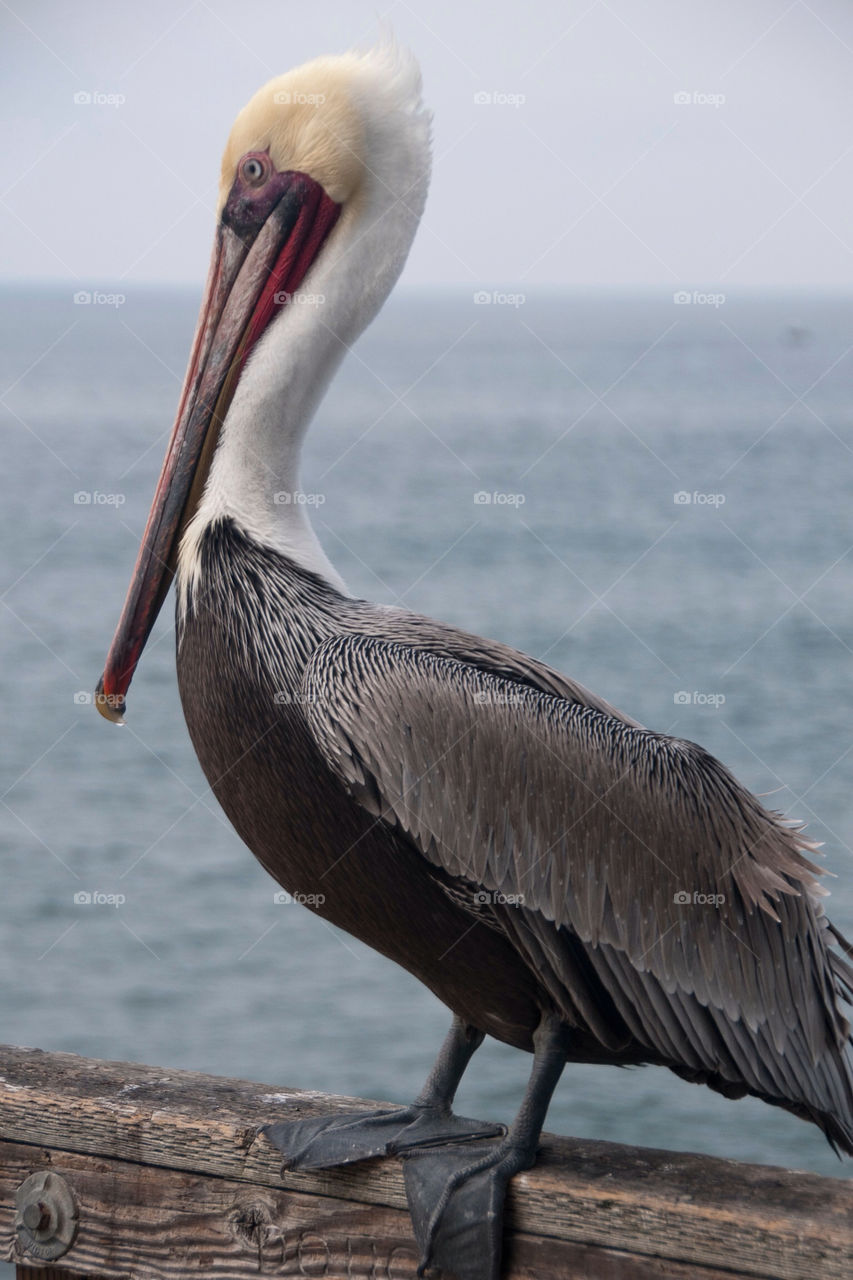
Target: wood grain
46, 1273
163, 1160
161, 1224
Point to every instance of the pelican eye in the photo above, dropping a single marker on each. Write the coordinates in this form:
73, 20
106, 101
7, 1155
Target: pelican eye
254, 170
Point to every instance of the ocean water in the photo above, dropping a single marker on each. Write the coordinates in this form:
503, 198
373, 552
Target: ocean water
725, 616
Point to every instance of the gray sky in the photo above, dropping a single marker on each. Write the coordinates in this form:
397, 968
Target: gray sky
598, 177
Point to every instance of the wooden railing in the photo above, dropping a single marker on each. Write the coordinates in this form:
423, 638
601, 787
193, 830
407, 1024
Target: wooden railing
157, 1174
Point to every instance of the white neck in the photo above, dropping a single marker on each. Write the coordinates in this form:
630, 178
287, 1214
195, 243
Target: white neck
255, 468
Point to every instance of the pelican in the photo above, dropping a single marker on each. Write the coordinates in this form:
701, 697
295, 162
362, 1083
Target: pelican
528, 852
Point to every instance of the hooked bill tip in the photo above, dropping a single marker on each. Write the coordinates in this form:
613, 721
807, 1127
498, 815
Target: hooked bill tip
111, 705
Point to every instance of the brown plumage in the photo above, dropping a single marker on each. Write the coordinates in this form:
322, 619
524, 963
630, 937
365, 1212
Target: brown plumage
511, 839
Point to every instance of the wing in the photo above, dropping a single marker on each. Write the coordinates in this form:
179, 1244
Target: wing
695, 906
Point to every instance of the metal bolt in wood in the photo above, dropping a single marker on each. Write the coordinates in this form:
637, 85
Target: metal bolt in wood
46, 1216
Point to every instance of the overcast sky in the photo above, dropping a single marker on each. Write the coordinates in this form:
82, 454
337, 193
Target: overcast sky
583, 170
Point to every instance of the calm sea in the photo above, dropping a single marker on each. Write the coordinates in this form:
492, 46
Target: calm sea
668, 519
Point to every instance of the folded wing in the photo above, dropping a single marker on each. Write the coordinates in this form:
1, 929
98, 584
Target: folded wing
694, 907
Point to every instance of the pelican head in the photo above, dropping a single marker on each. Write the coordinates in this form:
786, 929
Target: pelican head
323, 181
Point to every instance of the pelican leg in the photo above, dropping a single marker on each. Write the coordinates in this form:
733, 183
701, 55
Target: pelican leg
326, 1141
456, 1196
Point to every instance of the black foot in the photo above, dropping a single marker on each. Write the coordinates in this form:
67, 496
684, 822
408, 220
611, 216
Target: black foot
326, 1141
456, 1199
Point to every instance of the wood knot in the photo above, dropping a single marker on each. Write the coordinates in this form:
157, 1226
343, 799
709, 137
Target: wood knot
250, 1220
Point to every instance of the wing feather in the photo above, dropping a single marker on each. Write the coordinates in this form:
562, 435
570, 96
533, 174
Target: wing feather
697, 907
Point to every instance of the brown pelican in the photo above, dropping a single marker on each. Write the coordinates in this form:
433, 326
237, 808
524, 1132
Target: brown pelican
528, 852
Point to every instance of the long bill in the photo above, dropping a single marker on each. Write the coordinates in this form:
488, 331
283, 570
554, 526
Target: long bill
254, 271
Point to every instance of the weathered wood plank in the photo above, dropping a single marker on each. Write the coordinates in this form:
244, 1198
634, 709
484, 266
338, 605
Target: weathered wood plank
693, 1210
160, 1224
23, 1272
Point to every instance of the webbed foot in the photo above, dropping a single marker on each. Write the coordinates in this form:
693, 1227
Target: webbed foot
326, 1141
456, 1200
